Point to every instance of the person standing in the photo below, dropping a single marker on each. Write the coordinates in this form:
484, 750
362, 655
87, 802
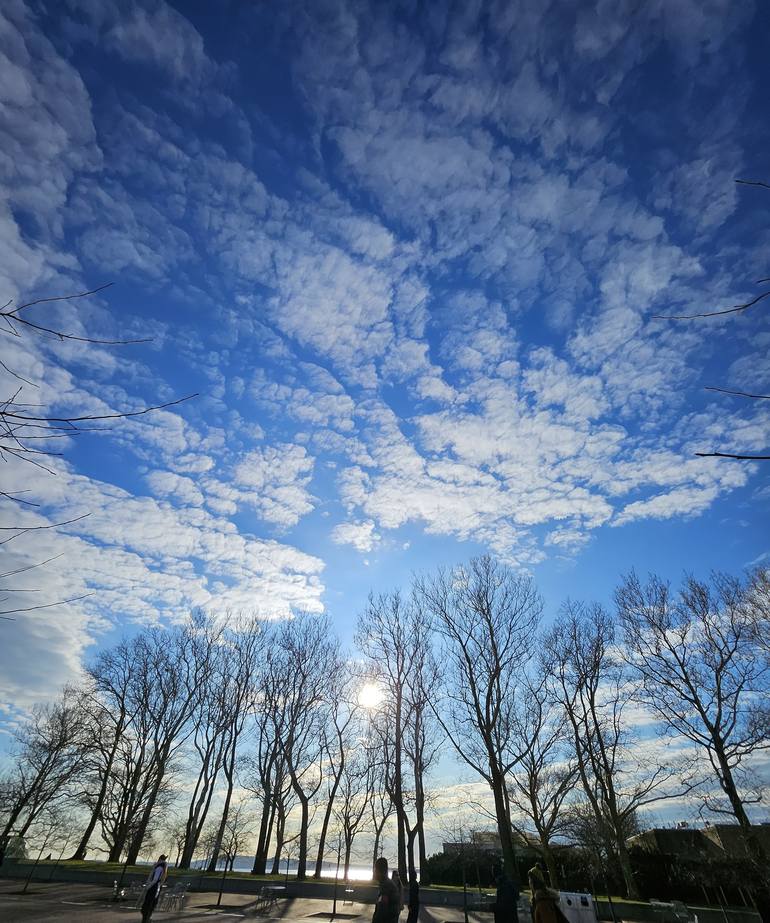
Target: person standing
506, 907
396, 879
414, 897
537, 880
545, 907
388, 906
153, 886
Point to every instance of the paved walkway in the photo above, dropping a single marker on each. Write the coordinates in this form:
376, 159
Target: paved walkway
46, 903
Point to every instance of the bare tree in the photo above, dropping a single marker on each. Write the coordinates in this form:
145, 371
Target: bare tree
243, 648
352, 804
176, 665
595, 838
49, 760
174, 831
587, 680
133, 772
338, 735
51, 831
546, 772
301, 665
757, 605
212, 720
239, 833
422, 736
695, 656
486, 616
382, 638
285, 800
393, 635
380, 803
109, 709
265, 772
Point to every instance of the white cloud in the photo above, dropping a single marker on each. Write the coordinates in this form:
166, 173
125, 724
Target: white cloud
441, 292
361, 535
274, 482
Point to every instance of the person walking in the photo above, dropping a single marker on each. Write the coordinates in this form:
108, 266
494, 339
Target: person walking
153, 886
388, 906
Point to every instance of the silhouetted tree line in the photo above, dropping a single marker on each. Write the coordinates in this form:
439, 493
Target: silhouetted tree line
218, 732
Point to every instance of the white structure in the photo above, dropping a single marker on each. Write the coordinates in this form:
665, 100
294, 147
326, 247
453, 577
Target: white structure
577, 908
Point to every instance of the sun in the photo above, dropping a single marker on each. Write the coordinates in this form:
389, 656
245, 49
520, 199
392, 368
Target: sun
370, 695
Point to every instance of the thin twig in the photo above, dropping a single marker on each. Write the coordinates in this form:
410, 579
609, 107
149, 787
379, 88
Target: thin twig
752, 182
17, 376
61, 602
59, 335
21, 570
106, 416
17, 499
759, 397
23, 530
29, 304
734, 310
730, 455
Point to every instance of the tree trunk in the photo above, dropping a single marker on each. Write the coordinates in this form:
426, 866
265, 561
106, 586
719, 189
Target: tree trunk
80, 852
265, 830
14, 816
115, 850
424, 870
327, 816
406, 883
376, 848
303, 832
550, 864
419, 807
280, 829
138, 837
504, 827
624, 860
199, 809
754, 848
229, 773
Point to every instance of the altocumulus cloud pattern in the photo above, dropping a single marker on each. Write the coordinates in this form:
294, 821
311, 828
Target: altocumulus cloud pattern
410, 256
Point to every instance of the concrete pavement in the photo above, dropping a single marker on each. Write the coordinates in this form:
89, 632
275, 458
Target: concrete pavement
76, 903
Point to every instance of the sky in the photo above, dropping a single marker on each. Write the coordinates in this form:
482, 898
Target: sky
409, 256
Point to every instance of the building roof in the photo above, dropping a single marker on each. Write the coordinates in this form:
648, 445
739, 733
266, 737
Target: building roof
717, 841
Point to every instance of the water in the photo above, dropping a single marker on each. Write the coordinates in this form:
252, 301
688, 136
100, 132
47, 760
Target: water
328, 869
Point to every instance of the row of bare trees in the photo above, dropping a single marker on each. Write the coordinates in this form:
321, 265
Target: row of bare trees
242, 715
564, 722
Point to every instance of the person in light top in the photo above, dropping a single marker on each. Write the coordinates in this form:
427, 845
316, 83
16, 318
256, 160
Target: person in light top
153, 886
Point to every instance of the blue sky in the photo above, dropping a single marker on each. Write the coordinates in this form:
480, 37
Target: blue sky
409, 256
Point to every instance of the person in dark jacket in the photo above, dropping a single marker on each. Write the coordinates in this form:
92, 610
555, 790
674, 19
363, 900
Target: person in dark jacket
388, 906
506, 899
414, 897
153, 886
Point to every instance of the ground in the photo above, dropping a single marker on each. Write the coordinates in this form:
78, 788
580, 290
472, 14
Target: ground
45, 903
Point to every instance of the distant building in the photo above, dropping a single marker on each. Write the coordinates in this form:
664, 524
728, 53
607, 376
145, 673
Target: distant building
487, 842
717, 841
